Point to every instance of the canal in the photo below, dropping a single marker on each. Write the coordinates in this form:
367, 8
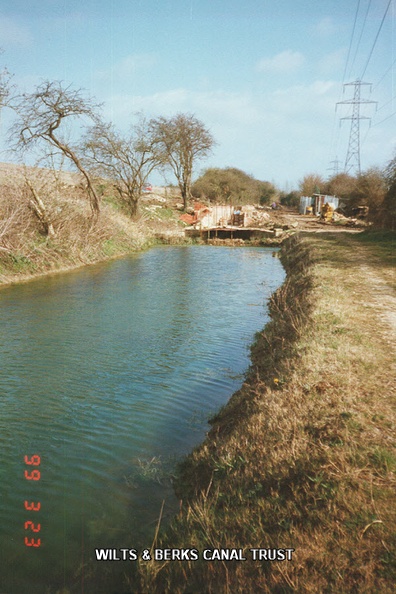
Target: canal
108, 376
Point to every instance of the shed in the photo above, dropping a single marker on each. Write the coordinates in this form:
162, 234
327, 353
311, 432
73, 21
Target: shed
316, 201
320, 200
305, 202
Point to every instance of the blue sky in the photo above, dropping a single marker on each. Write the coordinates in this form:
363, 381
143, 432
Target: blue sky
263, 75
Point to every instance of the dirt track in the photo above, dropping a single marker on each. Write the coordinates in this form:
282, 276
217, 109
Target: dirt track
380, 297
309, 223
375, 282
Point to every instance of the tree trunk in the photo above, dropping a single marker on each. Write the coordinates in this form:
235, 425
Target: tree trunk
40, 211
184, 197
184, 189
93, 197
133, 205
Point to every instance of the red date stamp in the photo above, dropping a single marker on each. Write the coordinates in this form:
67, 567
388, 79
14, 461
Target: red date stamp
32, 474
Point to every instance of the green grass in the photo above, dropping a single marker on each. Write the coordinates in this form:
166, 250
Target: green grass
20, 263
165, 213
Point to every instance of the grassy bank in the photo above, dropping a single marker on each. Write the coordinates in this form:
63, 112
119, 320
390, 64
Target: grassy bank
303, 456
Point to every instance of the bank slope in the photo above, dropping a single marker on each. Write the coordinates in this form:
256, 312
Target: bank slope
46, 224
303, 456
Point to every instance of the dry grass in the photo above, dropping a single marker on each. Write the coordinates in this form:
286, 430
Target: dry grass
304, 455
27, 250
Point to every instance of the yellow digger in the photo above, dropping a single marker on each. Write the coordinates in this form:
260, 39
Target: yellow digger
327, 212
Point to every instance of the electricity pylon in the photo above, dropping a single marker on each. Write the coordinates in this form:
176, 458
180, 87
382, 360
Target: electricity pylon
353, 154
335, 169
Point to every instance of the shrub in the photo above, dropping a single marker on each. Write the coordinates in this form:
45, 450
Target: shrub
233, 186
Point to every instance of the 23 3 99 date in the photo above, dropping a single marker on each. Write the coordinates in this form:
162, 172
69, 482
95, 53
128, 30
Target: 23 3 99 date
32, 473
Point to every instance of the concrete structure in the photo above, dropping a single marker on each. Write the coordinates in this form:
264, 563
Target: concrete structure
232, 233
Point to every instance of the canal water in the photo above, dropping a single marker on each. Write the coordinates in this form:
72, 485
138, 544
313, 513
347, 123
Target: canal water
108, 376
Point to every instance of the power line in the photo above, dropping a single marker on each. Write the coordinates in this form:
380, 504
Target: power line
350, 42
378, 123
335, 141
387, 103
353, 153
384, 120
360, 37
386, 72
376, 38
336, 166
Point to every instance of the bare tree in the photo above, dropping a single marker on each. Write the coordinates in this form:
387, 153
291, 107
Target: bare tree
341, 185
389, 204
127, 161
40, 210
183, 139
41, 182
311, 183
390, 174
5, 77
42, 116
369, 190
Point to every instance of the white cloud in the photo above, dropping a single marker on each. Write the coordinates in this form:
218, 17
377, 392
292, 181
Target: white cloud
305, 103
333, 62
128, 66
325, 27
322, 87
165, 103
13, 33
230, 108
236, 108
286, 61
